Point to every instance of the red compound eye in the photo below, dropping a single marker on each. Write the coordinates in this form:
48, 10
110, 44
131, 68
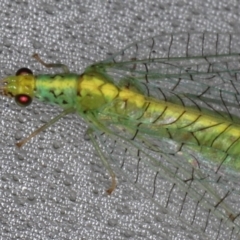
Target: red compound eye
24, 71
23, 100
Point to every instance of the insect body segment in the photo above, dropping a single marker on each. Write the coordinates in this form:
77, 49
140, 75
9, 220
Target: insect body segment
16, 85
57, 89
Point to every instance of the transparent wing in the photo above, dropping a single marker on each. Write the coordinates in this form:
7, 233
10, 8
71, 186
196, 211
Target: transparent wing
181, 181
199, 70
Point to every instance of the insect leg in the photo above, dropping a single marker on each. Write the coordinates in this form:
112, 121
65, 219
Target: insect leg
45, 126
104, 161
51, 65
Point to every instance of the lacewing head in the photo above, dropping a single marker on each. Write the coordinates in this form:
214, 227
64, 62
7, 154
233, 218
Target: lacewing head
21, 87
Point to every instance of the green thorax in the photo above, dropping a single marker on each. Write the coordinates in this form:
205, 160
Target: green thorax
58, 89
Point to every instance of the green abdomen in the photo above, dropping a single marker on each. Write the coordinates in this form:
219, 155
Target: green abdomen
183, 125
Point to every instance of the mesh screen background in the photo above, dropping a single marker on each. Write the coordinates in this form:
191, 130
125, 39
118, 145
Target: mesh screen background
54, 187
